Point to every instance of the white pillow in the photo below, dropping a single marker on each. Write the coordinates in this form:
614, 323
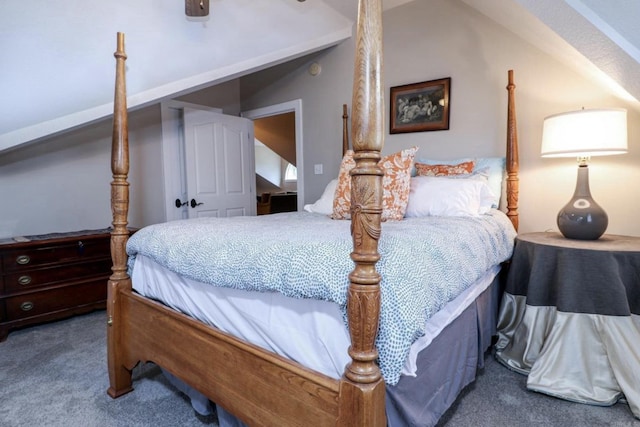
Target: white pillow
324, 205
496, 167
442, 196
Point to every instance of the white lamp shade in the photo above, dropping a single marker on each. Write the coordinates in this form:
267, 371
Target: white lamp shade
584, 133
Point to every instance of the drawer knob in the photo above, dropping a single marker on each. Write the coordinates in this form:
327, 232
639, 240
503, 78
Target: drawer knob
26, 306
24, 280
23, 259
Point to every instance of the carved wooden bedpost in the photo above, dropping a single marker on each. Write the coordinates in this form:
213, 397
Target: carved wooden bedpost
119, 377
345, 130
513, 165
367, 137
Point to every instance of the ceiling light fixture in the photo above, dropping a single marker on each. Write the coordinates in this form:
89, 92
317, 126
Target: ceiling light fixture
196, 8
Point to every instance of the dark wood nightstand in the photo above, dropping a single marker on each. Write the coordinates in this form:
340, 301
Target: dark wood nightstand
570, 317
52, 276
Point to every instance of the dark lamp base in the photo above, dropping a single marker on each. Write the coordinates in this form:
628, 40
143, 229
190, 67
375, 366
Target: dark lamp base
582, 218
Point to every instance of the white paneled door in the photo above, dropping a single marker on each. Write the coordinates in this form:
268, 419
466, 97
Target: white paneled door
219, 165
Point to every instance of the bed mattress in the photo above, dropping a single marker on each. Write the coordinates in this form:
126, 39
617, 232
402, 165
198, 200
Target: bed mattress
311, 332
425, 263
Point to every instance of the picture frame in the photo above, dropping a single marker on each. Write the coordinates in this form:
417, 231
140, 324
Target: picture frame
420, 107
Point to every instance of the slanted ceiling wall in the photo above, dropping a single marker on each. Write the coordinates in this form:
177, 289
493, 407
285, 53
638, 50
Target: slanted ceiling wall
59, 67
278, 133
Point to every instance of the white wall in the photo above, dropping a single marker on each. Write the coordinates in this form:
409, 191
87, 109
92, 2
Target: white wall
63, 184
447, 38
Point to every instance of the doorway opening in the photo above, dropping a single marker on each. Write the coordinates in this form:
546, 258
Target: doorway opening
278, 157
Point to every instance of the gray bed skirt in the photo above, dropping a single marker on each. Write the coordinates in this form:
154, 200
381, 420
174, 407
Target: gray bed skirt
449, 364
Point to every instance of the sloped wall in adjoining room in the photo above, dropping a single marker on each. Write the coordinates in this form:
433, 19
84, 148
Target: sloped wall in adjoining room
63, 184
279, 134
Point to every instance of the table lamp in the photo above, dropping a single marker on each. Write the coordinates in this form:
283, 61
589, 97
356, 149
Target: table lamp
582, 134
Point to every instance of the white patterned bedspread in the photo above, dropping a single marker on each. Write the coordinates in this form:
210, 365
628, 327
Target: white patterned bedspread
425, 262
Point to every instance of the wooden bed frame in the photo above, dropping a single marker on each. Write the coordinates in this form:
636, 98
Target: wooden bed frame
257, 386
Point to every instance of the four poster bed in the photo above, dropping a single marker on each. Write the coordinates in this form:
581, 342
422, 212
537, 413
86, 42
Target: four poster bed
311, 326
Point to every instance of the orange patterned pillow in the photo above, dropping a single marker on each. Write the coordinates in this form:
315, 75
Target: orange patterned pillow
342, 197
395, 184
464, 168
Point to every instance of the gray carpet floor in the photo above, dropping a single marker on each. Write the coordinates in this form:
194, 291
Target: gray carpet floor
55, 375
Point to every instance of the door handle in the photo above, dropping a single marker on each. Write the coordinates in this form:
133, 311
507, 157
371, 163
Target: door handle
194, 203
180, 204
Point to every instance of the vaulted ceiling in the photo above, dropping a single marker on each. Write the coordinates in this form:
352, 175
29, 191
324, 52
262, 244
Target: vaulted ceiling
600, 38
58, 71
59, 68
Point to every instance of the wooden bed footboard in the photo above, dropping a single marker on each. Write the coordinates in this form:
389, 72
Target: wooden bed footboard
245, 379
257, 386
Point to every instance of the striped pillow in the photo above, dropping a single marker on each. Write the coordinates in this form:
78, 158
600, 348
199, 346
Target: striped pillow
464, 168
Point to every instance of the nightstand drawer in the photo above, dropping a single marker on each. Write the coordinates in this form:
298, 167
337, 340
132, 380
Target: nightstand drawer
23, 280
50, 301
29, 257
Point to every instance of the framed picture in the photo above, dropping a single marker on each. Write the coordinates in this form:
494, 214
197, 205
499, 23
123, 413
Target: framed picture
420, 107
